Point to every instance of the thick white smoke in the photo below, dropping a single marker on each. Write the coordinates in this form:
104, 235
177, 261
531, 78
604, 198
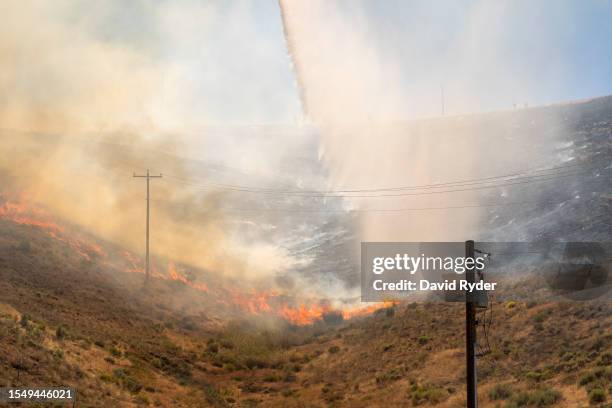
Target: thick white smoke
361, 92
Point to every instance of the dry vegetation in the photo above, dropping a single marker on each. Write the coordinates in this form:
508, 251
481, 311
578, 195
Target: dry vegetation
64, 321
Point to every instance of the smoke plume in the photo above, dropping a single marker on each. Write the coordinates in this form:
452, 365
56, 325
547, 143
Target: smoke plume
362, 90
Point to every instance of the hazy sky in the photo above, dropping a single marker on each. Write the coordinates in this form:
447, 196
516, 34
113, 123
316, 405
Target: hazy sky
561, 50
194, 62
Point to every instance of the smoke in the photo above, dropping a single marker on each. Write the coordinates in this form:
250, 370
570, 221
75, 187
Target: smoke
90, 185
343, 77
361, 83
94, 92
145, 66
55, 76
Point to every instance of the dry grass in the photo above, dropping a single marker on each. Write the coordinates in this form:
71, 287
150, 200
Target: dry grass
122, 348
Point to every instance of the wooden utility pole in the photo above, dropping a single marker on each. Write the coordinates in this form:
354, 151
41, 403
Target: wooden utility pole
148, 177
470, 331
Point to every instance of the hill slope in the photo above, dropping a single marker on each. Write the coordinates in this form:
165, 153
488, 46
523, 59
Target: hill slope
69, 322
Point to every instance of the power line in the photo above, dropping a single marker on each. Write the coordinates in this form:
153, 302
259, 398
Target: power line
382, 210
458, 183
525, 180
332, 193
511, 179
395, 210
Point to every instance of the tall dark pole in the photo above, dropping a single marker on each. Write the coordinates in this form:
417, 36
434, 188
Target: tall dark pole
470, 332
148, 177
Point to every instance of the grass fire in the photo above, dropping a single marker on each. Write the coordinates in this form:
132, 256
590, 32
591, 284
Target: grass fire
196, 196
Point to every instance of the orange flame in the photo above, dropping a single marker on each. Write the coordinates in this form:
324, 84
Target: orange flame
304, 315
364, 311
251, 301
133, 263
21, 213
175, 275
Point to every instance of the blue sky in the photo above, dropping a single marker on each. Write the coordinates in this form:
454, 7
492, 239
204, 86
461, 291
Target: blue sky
577, 34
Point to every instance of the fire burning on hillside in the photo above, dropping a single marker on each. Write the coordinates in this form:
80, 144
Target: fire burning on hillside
19, 210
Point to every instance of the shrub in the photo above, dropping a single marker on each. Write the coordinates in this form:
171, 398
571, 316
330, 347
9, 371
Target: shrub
227, 344
212, 348
24, 246
587, 378
187, 324
521, 399
596, 378
132, 385
120, 376
296, 358
271, 378
605, 359
107, 378
244, 346
500, 392
119, 373
423, 340
433, 396
540, 317
604, 373
289, 377
387, 377
539, 375
545, 397
597, 395
58, 354
213, 396
254, 362
60, 333
334, 349
421, 394
142, 399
